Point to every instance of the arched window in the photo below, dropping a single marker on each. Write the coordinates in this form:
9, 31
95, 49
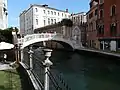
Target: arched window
36, 9
101, 13
113, 10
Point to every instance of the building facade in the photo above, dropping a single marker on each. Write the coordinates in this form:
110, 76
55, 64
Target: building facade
76, 33
3, 14
78, 18
109, 24
39, 16
92, 40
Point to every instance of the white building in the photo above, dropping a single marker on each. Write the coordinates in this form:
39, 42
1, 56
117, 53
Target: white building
3, 14
78, 18
39, 16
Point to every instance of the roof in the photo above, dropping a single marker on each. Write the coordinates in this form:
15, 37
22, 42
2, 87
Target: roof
91, 9
79, 13
44, 6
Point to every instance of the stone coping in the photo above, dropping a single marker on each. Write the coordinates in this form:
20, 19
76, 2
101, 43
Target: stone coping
32, 77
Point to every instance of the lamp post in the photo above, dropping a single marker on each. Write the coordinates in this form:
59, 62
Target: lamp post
20, 51
47, 63
13, 33
15, 43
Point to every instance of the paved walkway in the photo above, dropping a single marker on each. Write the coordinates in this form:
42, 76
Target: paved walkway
100, 51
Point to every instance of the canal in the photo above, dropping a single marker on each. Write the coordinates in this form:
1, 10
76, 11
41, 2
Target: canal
85, 72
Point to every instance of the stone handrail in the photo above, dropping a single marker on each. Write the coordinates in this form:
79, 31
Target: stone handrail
36, 36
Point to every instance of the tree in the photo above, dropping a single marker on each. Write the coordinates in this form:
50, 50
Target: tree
67, 22
6, 34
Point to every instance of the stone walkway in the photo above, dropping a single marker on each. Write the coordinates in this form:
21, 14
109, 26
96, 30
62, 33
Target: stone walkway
100, 51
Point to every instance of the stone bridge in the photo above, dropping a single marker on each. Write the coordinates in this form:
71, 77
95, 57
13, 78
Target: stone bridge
35, 38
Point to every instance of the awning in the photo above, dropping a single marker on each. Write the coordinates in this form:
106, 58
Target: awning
5, 46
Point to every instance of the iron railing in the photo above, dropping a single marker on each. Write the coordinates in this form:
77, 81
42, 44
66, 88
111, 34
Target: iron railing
56, 80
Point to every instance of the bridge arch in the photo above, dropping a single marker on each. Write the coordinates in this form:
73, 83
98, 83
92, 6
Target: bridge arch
35, 38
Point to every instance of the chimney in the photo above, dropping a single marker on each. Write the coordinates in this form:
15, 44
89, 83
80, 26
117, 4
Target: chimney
66, 10
45, 5
31, 5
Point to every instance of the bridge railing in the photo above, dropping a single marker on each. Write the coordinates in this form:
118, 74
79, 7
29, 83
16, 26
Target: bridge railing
36, 36
57, 82
42, 35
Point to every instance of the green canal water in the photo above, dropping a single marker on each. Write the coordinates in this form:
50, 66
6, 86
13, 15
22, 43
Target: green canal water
83, 72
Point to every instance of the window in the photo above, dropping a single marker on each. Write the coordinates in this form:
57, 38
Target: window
51, 21
91, 26
65, 16
52, 12
101, 13
54, 20
101, 29
101, 1
74, 18
48, 21
96, 12
113, 29
36, 10
82, 17
90, 15
62, 14
48, 12
36, 21
44, 23
58, 14
113, 10
44, 11
4, 4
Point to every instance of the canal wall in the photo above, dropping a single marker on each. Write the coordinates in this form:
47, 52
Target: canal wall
27, 75
97, 53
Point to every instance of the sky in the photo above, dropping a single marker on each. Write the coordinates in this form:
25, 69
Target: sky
15, 7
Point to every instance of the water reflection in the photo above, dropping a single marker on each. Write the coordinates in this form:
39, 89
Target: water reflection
84, 72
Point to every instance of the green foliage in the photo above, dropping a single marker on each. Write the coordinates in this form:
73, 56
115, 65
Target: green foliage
67, 22
10, 80
6, 34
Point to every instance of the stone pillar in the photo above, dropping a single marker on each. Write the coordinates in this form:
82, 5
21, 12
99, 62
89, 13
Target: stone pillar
47, 63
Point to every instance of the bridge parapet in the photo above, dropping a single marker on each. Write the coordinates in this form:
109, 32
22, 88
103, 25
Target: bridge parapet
34, 38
